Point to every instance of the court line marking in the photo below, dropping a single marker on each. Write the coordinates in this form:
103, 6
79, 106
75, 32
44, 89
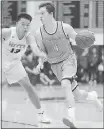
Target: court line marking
18, 123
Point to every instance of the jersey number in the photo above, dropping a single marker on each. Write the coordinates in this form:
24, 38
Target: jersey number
15, 50
56, 48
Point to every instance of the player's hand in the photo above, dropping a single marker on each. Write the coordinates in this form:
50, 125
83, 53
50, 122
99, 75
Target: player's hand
39, 67
90, 31
44, 57
35, 71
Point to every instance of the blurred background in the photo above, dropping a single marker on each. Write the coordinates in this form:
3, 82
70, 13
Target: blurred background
81, 14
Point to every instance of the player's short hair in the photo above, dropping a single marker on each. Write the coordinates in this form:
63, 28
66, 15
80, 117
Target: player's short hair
24, 15
49, 7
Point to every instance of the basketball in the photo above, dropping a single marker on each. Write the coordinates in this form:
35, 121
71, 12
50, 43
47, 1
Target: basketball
85, 39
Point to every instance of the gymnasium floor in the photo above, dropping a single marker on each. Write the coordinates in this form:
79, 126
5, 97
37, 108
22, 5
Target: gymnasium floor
20, 113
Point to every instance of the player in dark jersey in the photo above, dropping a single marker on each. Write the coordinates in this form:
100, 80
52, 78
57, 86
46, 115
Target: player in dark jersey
53, 37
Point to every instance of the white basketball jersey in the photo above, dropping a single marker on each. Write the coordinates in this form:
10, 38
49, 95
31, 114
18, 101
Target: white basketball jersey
13, 48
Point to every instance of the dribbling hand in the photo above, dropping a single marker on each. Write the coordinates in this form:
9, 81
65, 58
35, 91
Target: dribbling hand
44, 57
91, 31
39, 67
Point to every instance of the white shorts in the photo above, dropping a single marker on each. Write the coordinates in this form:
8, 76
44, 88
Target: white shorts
14, 72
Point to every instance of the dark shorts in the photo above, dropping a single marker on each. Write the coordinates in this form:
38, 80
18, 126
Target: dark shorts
66, 68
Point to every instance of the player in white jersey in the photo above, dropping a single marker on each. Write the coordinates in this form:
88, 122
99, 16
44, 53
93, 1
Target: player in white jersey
54, 39
14, 43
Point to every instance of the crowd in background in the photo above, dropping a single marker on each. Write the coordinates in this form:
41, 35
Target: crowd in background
90, 67
30, 61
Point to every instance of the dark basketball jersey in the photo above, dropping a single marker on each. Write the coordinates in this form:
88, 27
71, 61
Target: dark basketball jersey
57, 45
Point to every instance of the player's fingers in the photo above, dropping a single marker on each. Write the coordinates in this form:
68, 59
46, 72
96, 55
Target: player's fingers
90, 31
41, 66
38, 69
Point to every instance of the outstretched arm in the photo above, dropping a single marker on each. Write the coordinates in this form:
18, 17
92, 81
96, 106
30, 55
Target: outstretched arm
32, 42
42, 47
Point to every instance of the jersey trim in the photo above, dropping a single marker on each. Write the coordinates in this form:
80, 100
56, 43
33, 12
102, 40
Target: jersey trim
64, 31
67, 37
41, 33
42, 39
53, 32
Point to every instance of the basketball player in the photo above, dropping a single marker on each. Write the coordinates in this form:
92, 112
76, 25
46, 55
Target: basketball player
14, 43
53, 37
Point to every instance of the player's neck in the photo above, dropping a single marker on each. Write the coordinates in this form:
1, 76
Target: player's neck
51, 26
19, 34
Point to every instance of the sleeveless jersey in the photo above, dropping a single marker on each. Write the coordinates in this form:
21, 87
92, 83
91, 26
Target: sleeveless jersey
57, 45
13, 48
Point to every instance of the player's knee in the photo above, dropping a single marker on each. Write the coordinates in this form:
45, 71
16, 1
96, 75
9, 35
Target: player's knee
66, 83
79, 94
25, 83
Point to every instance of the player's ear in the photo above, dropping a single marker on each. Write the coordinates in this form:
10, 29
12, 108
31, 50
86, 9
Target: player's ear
51, 13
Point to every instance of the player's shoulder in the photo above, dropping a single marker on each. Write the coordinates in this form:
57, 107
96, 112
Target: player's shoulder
67, 28
66, 25
6, 33
6, 30
29, 36
38, 33
13, 28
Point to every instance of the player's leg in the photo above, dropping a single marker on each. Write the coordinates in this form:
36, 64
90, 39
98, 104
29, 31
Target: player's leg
48, 80
89, 96
43, 80
70, 102
25, 83
67, 83
18, 74
64, 72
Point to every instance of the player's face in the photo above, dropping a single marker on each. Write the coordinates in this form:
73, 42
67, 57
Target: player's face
23, 25
44, 15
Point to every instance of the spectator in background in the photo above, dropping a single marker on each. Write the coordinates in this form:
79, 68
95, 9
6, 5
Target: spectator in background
83, 63
93, 60
44, 75
51, 75
29, 62
47, 70
101, 67
45, 79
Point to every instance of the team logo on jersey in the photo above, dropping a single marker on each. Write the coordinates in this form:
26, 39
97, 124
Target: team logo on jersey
12, 44
16, 48
56, 47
